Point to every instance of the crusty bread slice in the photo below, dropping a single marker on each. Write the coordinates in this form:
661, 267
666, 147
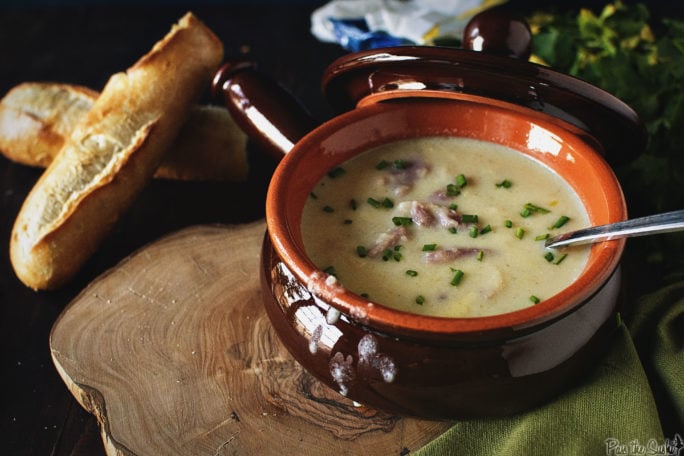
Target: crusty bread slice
110, 155
210, 147
37, 117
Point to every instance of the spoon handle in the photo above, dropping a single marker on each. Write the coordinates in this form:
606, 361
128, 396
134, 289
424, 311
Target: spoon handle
652, 224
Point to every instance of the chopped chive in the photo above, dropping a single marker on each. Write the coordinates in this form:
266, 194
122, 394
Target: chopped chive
397, 247
328, 209
429, 247
469, 218
534, 208
473, 232
387, 203
453, 190
347, 222
535, 299
453, 206
486, 229
397, 256
313, 195
508, 224
330, 270
519, 233
399, 164
373, 202
549, 257
411, 273
461, 180
542, 237
387, 254
353, 204
452, 230
525, 212
480, 255
402, 221
336, 172
504, 184
420, 300
458, 276
361, 251
562, 220
560, 259
382, 164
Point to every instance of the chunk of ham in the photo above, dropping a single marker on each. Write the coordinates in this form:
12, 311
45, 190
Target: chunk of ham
400, 181
429, 214
448, 255
388, 240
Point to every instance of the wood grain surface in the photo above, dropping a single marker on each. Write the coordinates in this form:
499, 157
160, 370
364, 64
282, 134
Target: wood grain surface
173, 353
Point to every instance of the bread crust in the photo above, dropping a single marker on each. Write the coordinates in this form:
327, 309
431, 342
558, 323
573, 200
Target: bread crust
32, 131
209, 147
37, 117
110, 155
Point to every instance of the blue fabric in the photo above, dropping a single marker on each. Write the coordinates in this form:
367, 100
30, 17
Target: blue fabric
354, 35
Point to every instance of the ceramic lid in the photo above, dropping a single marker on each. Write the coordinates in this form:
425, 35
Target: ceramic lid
414, 71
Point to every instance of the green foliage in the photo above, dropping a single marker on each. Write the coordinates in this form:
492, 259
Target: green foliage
639, 59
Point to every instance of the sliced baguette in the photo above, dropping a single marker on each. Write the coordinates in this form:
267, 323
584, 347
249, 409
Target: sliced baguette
37, 117
209, 147
110, 155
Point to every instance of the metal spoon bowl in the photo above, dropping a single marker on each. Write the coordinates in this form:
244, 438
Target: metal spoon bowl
643, 226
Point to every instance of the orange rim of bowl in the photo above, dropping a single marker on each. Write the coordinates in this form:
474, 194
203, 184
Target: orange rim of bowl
573, 157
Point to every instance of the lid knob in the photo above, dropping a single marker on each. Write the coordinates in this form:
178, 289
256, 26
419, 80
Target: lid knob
499, 31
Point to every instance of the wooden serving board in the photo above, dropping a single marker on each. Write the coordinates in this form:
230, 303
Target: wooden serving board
173, 353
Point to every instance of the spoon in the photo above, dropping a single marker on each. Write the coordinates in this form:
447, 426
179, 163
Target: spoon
652, 224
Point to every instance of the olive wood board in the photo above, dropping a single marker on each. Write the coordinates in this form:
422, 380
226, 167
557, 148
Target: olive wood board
172, 351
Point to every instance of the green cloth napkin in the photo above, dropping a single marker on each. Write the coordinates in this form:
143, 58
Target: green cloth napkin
632, 400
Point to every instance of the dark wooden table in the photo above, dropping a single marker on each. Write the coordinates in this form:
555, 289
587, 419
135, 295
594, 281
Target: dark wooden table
84, 45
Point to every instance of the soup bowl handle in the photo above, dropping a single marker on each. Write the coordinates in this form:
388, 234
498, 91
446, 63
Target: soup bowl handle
270, 116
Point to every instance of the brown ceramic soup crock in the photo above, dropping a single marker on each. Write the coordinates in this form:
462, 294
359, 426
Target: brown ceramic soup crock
430, 366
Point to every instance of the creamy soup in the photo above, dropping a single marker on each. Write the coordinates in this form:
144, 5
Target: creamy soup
444, 226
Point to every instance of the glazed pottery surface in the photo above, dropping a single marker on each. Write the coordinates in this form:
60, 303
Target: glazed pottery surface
438, 378
420, 365
428, 366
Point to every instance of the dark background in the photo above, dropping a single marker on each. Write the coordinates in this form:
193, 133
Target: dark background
83, 43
